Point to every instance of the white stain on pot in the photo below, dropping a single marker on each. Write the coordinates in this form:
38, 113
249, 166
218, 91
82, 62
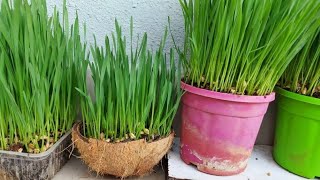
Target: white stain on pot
219, 164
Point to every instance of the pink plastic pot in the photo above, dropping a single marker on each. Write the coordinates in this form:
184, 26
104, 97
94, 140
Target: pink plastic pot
219, 129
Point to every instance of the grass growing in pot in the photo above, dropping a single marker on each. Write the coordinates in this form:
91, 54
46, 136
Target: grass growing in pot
243, 47
303, 74
38, 75
298, 112
235, 53
136, 94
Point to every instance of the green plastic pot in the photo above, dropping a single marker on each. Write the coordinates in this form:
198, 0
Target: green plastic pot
297, 136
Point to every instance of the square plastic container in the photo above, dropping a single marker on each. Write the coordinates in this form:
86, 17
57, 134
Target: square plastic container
25, 166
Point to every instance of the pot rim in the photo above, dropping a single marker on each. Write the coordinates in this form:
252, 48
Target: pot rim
297, 97
227, 96
76, 129
40, 155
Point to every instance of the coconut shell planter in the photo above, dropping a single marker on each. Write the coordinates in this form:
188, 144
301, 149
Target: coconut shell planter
124, 159
127, 126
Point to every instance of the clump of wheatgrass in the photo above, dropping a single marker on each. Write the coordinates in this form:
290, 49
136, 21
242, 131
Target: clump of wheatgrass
243, 47
303, 74
39, 57
135, 94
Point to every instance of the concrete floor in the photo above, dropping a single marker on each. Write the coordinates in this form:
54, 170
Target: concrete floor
261, 166
75, 169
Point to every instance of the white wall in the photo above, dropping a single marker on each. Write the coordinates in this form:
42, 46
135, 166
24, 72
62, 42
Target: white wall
150, 16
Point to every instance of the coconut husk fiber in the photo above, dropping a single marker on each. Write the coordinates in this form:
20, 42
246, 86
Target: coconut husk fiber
6, 176
124, 159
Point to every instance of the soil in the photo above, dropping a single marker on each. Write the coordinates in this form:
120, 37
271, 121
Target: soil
16, 147
315, 95
207, 87
129, 140
20, 147
148, 138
